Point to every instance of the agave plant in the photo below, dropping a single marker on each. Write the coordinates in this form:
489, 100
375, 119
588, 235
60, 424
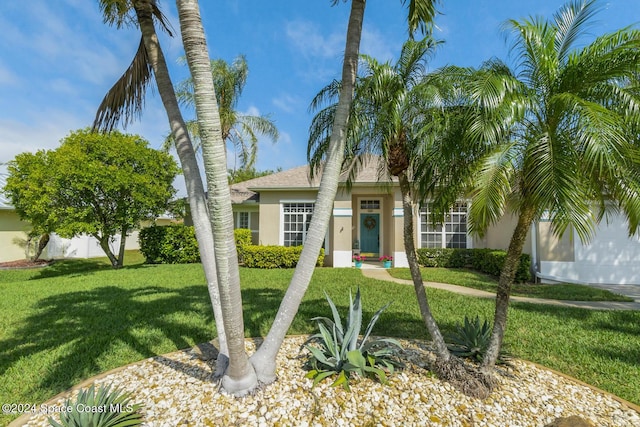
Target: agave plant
100, 408
471, 340
340, 352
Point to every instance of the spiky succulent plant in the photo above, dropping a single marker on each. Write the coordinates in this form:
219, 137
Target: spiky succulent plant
338, 351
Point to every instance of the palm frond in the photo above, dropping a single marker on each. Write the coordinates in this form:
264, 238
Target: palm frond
421, 15
572, 21
125, 100
494, 184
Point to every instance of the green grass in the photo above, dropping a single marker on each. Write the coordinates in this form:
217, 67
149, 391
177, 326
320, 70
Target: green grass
477, 280
75, 319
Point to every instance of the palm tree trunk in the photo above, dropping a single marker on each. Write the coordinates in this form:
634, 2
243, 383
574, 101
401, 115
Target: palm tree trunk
240, 377
441, 350
508, 273
191, 172
264, 360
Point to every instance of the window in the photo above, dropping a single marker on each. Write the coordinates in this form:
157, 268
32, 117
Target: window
297, 217
242, 220
451, 234
370, 204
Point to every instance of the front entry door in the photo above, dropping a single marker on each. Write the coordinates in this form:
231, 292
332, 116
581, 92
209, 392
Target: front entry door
370, 233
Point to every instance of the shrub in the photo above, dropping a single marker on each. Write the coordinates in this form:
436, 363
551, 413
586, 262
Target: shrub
242, 236
488, 261
170, 244
119, 411
339, 352
255, 256
471, 340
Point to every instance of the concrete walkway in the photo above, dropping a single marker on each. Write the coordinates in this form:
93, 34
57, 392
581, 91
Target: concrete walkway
374, 272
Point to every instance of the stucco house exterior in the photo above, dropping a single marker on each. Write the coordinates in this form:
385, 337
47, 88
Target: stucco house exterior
13, 237
368, 219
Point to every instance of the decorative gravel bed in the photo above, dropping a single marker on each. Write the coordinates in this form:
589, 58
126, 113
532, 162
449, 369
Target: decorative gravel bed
176, 390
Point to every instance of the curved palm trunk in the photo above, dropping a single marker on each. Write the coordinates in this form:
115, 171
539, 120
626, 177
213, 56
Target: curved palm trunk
187, 157
240, 377
264, 360
441, 350
507, 275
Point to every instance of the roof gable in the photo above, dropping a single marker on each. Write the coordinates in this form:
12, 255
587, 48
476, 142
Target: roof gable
298, 179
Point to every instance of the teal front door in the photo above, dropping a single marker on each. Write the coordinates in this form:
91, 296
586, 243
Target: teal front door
370, 233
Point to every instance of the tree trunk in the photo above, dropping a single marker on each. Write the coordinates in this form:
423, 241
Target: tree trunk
508, 273
123, 242
191, 172
264, 360
42, 243
240, 377
441, 350
104, 244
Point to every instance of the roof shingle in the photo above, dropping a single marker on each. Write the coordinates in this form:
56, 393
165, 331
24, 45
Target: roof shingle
297, 178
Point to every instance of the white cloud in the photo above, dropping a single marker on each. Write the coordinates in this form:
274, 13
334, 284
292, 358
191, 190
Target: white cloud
287, 102
378, 46
284, 153
308, 39
8, 77
252, 111
44, 133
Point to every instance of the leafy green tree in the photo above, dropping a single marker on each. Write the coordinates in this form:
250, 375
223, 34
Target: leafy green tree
102, 185
567, 114
241, 130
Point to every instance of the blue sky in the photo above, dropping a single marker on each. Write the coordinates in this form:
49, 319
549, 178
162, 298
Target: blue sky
58, 59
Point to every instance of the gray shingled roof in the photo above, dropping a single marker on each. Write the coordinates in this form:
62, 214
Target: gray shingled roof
293, 179
4, 202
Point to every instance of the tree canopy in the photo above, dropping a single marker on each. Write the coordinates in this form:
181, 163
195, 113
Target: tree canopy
102, 185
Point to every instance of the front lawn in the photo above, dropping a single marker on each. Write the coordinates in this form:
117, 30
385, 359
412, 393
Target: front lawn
70, 321
477, 280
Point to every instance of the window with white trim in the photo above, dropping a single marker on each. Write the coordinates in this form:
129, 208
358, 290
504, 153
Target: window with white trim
370, 204
451, 234
296, 220
242, 220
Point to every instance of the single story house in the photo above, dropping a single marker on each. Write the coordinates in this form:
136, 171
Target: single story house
13, 237
368, 219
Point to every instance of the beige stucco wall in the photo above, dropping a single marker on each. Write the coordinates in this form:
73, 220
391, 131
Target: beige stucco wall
270, 212
552, 248
342, 229
499, 235
12, 236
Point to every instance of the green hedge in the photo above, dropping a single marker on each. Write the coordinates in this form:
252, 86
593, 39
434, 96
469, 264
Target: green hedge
169, 244
176, 244
242, 236
488, 261
255, 256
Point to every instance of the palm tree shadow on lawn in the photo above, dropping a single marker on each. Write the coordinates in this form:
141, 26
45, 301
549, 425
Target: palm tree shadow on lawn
79, 267
87, 326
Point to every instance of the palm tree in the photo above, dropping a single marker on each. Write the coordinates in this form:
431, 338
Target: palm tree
568, 112
420, 16
240, 377
241, 130
124, 101
398, 110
